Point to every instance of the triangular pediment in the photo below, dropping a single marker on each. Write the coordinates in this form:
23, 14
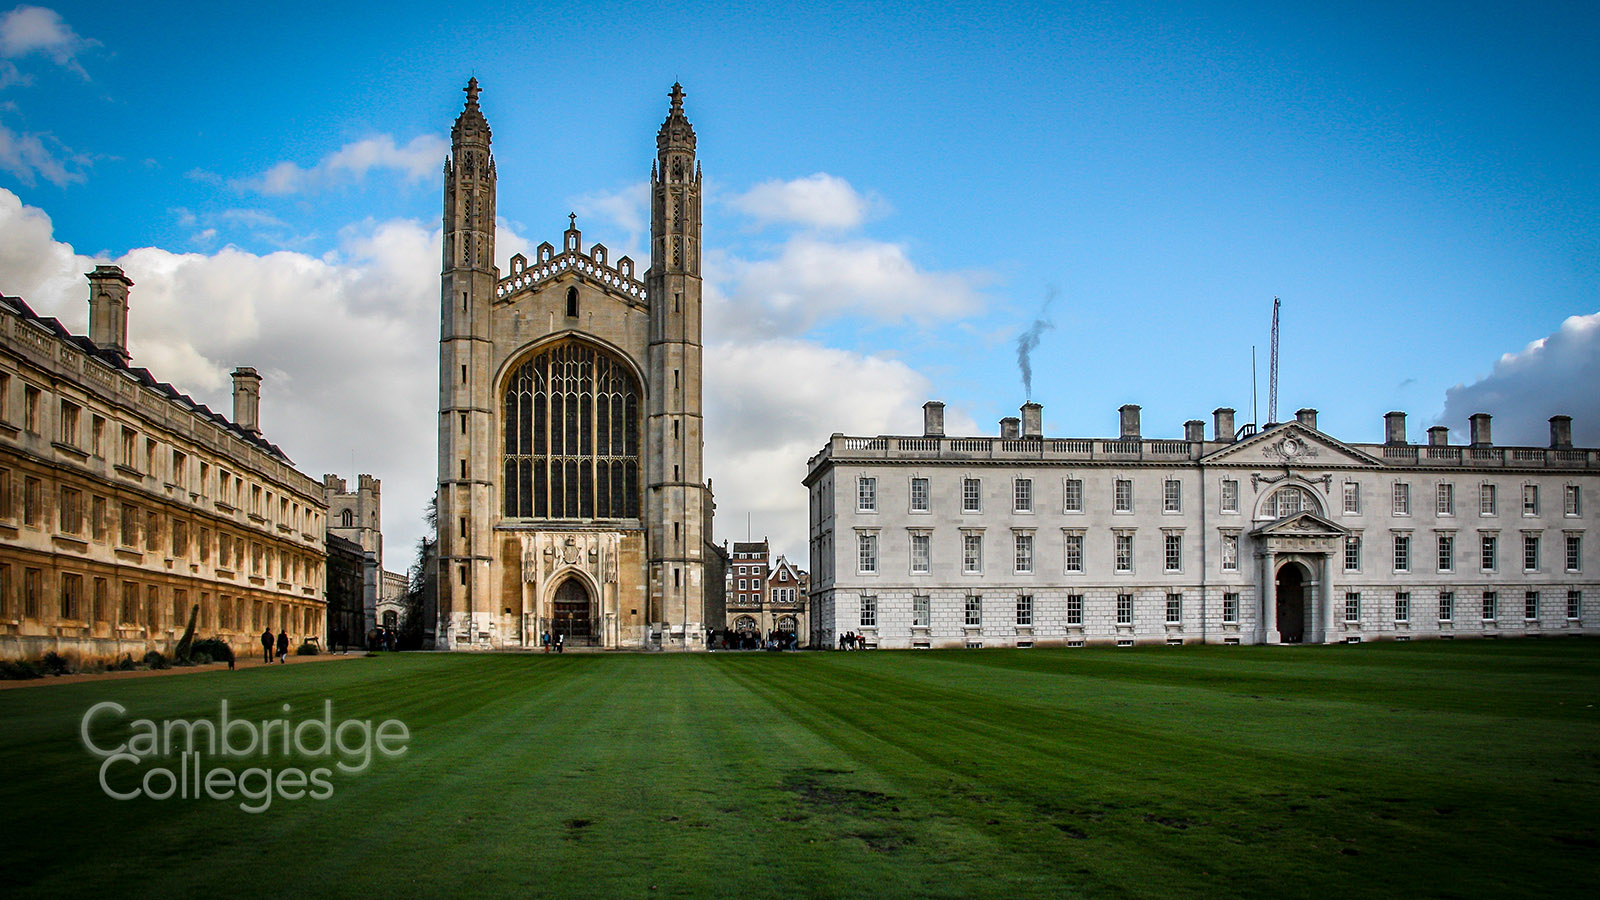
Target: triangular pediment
1302, 524
1291, 444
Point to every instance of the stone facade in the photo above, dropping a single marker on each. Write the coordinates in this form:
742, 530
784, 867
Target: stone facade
572, 495
764, 595
357, 516
125, 504
1281, 535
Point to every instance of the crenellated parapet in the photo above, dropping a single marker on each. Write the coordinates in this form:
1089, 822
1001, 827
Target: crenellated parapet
592, 267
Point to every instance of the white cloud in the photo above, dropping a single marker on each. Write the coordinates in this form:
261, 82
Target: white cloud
770, 405
32, 156
1555, 375
627, 208
34, 29
810, 280
818, 201
418, 159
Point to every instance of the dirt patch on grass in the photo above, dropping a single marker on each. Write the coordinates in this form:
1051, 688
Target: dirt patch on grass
813, 787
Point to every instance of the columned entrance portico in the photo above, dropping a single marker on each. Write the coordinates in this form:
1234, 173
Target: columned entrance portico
1293, 556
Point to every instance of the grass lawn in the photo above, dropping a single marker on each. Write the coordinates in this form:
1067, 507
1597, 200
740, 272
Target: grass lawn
1469, 768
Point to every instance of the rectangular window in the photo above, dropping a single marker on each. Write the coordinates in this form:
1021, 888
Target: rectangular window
974, 610
920, 559
130, 604
1025, 610
1352, 606
1230, 553
1574, 552
1024, 553
1572, 500
1124, 544
1074, 553
867, 494
180, 469
30, 409
1072, 491
129, 531
1174, 609
32, 587
1530, 605
1402, 499
180, 538
1488, 545
100, 610
1230, 608
1124, 609
869, 611
867, 553
1447, 552
1402, 606
5, 494
921, 611
1352, 498
1530, 499
1172, 496
1574, 604
1352, 553
32, 488
1530, 553
971, 495
1447, 606
1122, 496
743, 584
1022, 495
1444, 499
152, 530
971, 553
1491, 604
67, 426
1174, 549
97, 518
1402, 553
919, 495
1074, 609
1230, 495
1487, 501
71, 596
69, 514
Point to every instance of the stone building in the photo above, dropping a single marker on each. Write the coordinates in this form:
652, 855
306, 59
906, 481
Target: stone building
764, 595
572, 495
1282, 535
357, 516
124, 503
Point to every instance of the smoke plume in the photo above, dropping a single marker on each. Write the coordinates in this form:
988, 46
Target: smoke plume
1028, 341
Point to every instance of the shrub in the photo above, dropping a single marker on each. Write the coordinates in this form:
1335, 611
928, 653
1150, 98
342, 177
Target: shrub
126, 663
54, 663
214, 649
307, 649
155, 660
200, 658
19, 670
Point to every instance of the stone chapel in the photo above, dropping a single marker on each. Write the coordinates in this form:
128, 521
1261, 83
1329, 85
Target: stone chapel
572, 498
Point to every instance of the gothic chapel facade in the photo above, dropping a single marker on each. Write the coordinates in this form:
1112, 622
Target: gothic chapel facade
572, 498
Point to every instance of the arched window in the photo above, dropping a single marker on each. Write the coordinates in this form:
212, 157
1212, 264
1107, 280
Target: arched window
745, 624
572, 436
1289, 500
347, 519
572, 303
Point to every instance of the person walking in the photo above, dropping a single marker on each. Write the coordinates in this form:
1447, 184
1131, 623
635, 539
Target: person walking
283, 646
266, 644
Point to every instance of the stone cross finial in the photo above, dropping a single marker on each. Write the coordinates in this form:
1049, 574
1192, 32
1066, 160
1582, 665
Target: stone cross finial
572, 220
677, 97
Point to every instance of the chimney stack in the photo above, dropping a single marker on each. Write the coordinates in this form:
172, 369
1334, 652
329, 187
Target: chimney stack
933, 419
1010, 428
1130, 422
1032, 420
1194, 431
1480, 430
1222, 419
1307, 417
1394, 428
1560, 432
247, 400
108, 309
1438, 436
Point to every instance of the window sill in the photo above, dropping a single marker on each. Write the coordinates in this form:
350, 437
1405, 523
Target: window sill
78, 544
70, 450
128, 471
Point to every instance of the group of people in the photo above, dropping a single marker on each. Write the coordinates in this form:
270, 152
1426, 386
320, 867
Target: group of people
557, 643
852, 641
281, 643
752, 640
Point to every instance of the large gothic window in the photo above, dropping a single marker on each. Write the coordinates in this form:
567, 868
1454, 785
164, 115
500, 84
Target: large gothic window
572, 436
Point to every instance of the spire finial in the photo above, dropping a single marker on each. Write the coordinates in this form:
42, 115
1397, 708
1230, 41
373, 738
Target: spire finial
677, 97
572, 221
472, 91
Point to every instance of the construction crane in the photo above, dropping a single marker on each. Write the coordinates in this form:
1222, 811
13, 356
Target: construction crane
1272, 377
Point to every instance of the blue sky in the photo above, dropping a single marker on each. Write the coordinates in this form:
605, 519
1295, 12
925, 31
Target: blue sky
893, 193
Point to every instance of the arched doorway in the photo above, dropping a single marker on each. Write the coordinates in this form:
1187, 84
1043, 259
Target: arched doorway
571, 612
786, 623
1291, 603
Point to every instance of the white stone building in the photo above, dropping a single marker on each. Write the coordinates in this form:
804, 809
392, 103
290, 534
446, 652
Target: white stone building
1285, 535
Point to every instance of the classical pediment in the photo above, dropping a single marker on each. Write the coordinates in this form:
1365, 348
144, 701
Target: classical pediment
1302, 525
1291, 444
